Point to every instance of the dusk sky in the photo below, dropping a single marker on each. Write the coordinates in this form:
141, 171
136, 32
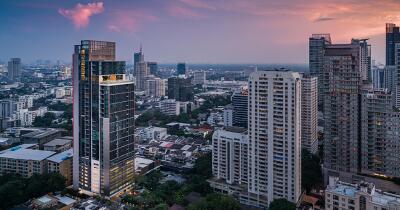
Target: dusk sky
194, 31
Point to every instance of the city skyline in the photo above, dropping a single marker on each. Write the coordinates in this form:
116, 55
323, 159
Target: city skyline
239, 32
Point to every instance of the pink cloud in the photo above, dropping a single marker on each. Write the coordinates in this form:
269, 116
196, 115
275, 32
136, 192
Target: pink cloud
183, 12
198, 4
128, 20
80, 15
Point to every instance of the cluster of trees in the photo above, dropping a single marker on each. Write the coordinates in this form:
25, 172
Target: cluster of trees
311, 173
281, 204
160, 196
192, 117
15, 189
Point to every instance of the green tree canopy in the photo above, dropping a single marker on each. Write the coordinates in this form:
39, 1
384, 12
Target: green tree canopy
281, 204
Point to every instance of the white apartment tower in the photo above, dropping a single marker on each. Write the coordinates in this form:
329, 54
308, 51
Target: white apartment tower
274, 135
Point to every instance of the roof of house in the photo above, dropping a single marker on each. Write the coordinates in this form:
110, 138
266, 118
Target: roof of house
60, 157
21, 153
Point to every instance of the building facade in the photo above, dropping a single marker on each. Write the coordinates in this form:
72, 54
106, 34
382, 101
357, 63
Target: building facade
274, 135
170, 107
14, 69
309, 113
342, 79
181, 69
392, 38
155, 87
199, 77
103, 120
180, 89
317, 44
240, 108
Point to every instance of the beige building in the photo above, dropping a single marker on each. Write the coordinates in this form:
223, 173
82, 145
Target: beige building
309, 113
61, 163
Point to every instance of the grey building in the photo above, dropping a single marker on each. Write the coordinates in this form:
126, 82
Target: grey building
309, 113
153, 67
376, 111
240, 108
180, 89
40, 136
342, 80
392, 38
103, 120
317, 44
14, 69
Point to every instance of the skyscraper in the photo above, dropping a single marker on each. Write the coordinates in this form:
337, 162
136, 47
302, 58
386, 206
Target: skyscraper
342, 79
14, 69
240, 107
181, 69
138, 57
365, 58
180, 89
153, 67
141, 73
309, 113
392, 38
317, 44
103, 120
274, 135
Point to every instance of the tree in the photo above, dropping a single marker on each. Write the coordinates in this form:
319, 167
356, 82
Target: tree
216, 201
45, 121
311, 173
281, 204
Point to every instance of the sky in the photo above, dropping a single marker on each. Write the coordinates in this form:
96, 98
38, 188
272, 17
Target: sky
193, 31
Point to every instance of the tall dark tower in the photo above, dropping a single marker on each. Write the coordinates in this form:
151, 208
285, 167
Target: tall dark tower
392, 37
181, 69
103, 120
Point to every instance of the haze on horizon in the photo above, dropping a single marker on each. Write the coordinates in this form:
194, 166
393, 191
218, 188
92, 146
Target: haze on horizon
194, 31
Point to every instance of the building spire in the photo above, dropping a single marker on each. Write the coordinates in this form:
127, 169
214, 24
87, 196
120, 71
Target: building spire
141, 49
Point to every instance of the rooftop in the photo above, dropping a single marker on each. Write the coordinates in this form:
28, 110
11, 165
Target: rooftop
58, 158
40, 133
57, 142
21, 153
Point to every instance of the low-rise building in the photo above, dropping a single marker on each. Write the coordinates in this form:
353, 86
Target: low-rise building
170, 107
40, 136
361, 196
61, 163
23, 160
59, 144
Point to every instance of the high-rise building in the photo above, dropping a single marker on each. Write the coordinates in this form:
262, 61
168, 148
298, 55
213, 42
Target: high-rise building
309, 113
199, 77
141, 73
392, 148
153, 67
138, 57
378, 76
376, 111
240, 107
170, 107
317, 44
103, 120
155, 87
342, 79
180, 89
228, 115
365, 58
229, 159
181, 69
396, 91
392, 38
274, 135
14, 69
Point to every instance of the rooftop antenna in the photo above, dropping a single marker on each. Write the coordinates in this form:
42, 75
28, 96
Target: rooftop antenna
141, 48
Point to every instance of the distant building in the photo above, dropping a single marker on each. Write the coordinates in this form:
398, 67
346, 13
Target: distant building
181, 69
41, 136
137, 57
155, 87
14, 69
153, 67
199, 77
317, 44
228, 115
309, 113
361, 196
169, 107
240, 108
392, 38
141, 72
180, 89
